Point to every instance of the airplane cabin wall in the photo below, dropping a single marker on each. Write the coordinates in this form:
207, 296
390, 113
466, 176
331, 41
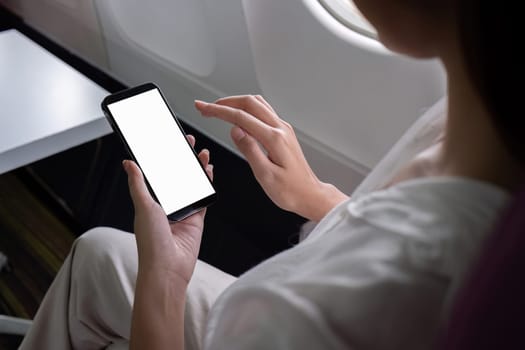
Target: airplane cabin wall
348, 98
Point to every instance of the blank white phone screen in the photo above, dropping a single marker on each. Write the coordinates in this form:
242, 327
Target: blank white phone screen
161, 150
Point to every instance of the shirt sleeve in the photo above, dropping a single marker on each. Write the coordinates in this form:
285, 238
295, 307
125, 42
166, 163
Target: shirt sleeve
375, 275
378, 306
260, 318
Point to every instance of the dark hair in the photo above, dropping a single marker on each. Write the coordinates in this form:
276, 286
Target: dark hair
491, 39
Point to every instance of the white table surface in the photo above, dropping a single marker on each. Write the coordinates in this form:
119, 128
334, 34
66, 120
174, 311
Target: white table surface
45, 105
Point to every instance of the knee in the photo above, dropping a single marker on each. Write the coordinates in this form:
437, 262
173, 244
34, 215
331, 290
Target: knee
100, 241
95, 239
102, 248
103, 272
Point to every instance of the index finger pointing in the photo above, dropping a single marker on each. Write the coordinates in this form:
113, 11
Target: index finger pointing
252, 105
255, 127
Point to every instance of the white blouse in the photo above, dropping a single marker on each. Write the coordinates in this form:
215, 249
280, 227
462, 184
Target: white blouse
376, 273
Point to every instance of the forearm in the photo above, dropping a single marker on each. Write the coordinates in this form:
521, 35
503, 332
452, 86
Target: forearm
158, 311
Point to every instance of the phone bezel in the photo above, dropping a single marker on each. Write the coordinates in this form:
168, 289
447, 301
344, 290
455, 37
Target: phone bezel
137, 90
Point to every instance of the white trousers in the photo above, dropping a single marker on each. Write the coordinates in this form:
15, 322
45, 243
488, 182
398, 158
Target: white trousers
89, 304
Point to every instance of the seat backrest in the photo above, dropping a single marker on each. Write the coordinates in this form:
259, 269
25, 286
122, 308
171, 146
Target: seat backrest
489, 311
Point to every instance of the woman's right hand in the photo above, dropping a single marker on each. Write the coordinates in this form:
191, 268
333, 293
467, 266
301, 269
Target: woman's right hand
279, 166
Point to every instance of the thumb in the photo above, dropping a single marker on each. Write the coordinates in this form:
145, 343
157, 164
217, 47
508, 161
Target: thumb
137, 187
251, 150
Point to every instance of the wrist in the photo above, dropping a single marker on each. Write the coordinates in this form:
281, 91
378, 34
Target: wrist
323, 199
163, 279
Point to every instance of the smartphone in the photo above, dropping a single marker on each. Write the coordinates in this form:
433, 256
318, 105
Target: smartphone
156, 141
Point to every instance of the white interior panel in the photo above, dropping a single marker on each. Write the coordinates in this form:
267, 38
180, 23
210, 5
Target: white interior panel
347, 96
353, 98
174, 31
349, 99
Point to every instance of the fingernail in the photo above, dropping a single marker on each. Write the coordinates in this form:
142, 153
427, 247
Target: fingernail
201, 107
201, 103
238, 134
125, 164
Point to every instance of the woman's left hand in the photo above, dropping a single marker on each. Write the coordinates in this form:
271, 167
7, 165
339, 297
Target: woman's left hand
165, 247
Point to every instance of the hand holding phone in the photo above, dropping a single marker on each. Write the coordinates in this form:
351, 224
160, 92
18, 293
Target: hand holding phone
155, 140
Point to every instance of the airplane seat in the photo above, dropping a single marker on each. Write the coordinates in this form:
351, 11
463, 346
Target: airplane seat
489, 310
